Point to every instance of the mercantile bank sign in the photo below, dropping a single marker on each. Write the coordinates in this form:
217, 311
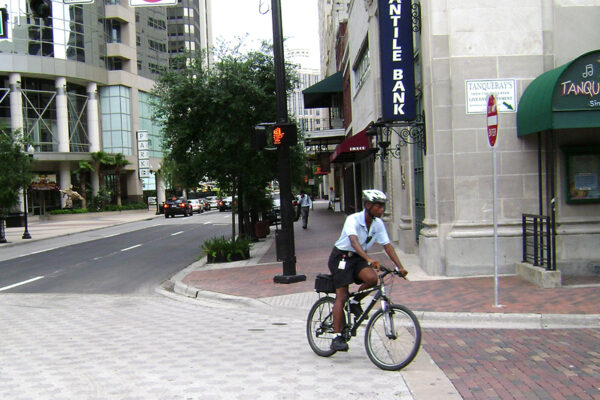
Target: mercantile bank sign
397, 62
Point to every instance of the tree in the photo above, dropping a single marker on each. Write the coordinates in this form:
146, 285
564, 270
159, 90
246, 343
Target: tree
101, 161
208, 115
118, 162
84, 169
14, 172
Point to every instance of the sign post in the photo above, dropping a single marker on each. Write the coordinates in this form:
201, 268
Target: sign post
492, 132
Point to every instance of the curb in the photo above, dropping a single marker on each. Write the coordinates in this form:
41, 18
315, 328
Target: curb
432, 319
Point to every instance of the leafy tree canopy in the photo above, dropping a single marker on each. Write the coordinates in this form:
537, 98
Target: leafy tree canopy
208, 113
14, 170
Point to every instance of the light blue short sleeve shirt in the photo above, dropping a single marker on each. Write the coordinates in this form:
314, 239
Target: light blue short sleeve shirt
356, 225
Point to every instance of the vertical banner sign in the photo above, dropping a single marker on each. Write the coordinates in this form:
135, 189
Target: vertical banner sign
143, 154
397, 60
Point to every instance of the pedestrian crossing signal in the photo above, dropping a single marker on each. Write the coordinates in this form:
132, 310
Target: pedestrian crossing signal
4, 24
284, 135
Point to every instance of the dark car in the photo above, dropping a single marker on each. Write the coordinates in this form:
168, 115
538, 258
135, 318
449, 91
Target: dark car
225, 203
177, 205
274, 214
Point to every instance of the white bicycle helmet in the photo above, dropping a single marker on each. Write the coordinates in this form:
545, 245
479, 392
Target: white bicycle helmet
374, 196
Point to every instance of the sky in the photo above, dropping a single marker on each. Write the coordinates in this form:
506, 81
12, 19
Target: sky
235, 18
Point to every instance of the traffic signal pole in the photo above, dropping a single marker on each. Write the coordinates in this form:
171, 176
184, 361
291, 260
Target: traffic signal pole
283, 158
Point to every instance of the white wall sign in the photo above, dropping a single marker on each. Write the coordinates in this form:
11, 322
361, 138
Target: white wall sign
477, 92
143, 154
145, 3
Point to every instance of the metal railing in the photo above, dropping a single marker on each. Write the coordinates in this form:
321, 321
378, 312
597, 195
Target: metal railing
537, 241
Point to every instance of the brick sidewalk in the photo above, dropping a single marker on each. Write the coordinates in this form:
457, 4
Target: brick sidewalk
518, 364
449, 295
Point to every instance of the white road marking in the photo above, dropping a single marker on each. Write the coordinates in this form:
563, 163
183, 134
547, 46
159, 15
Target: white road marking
21, 283
114, 234
177, 233
41, 251
132, 247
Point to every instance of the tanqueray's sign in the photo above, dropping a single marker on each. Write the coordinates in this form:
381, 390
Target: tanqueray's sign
578, 88
397, 63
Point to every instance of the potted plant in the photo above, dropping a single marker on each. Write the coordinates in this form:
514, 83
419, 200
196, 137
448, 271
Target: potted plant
219, 249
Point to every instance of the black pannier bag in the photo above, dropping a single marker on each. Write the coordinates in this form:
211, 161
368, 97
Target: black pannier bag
324, 284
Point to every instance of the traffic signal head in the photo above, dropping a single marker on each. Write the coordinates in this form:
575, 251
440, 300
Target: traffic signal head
284, 134
41, 8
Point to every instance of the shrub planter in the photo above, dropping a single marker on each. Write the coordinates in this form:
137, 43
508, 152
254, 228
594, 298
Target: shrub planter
219, 249
220, 258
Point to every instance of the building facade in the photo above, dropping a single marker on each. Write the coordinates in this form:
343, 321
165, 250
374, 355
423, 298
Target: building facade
438, 171
79, 80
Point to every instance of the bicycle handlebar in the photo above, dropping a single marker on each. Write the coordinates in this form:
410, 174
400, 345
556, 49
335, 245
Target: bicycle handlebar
394, 271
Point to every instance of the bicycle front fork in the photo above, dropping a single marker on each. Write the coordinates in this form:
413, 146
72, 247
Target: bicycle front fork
388, 320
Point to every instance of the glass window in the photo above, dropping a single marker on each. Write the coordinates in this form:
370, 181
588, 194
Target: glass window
583, 174
362, 64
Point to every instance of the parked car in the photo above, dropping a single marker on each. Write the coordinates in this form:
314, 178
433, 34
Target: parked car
205, 204
177, 205
197, 206
225, 203
213, 202
274, 214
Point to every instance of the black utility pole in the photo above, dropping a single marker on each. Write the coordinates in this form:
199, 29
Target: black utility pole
286, 236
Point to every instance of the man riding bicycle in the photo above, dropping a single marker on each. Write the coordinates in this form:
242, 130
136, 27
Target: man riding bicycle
350, 263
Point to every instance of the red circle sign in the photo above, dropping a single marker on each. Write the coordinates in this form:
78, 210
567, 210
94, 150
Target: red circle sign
492, 120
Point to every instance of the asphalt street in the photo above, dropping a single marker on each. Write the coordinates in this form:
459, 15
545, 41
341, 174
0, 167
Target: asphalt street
121, 260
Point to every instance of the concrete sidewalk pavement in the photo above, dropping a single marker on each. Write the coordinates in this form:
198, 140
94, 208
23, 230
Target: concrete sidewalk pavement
69, 224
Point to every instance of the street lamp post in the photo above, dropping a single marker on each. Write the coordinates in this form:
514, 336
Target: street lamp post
26, 234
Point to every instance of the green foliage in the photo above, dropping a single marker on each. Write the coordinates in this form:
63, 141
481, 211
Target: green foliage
69, 211
110, 207
14, 170
219, 247
101, 200
208, 114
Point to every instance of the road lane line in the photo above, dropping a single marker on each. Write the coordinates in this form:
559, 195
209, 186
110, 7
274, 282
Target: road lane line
41, 251
114, 234
177, 233
132, 247
21, 283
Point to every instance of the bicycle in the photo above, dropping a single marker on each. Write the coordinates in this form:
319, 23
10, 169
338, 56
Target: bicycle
392, 335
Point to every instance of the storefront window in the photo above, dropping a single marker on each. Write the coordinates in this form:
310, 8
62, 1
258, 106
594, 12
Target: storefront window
583, 174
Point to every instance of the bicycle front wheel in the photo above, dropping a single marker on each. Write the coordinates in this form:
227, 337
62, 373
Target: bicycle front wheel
393, 337
319, 327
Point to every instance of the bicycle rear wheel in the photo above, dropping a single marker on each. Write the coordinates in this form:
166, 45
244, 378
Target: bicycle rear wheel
319, 326
393, 337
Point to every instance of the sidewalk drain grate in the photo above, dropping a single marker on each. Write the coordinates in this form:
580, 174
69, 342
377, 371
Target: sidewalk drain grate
256, 330
279, 323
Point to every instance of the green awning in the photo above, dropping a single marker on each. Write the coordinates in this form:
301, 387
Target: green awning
320, 94
563, 98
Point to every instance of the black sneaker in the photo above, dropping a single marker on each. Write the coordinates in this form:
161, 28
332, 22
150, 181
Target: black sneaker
339, 344
357, 310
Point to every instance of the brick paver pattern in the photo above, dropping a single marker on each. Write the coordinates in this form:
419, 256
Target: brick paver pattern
518, 364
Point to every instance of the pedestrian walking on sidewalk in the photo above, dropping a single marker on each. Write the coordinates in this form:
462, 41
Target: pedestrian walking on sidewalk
305, 203
349, 262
